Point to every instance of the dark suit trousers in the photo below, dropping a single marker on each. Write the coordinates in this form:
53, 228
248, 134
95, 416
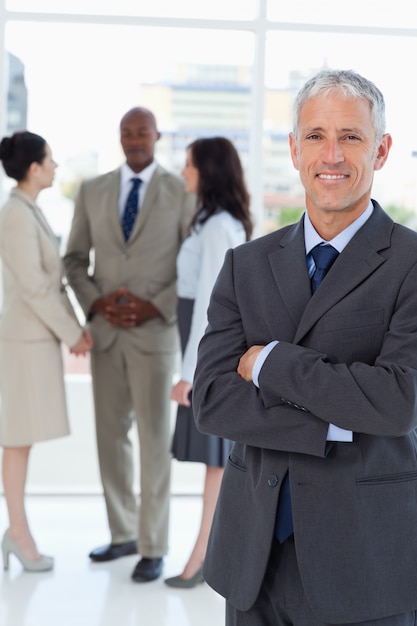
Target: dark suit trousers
282, 602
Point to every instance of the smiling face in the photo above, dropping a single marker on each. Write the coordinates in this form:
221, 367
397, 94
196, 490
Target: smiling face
336, 155
138, 135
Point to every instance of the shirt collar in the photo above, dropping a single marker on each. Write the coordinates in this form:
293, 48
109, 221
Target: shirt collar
312, 238
145, 175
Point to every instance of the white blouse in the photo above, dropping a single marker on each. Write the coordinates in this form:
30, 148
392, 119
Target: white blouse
198, 263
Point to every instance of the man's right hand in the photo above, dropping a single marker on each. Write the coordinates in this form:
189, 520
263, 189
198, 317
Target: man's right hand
109, 307
123, 309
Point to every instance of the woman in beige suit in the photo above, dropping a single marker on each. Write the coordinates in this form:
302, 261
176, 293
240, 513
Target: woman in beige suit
36, 317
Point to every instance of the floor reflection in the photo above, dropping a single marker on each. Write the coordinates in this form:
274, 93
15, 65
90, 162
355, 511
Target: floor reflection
86, 594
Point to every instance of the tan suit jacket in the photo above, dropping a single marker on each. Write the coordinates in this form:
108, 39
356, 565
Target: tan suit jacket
145, 264
36, 316
35, 304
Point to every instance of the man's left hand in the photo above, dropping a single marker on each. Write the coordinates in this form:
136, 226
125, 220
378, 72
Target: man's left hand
132, 311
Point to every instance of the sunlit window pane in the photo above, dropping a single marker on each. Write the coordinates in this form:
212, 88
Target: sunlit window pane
396, 185
215, 9
81, 79
384, 13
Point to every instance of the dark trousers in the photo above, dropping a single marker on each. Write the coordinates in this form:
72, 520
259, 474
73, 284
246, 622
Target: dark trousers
282, 602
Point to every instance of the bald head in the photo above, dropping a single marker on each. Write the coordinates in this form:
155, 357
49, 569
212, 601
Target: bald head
138, 136
138, 112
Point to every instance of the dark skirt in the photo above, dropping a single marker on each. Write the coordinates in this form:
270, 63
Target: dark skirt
188, 443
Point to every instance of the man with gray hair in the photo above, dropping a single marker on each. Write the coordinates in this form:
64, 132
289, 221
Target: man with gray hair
309, 364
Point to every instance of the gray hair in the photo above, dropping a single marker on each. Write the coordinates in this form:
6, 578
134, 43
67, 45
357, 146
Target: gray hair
350, 85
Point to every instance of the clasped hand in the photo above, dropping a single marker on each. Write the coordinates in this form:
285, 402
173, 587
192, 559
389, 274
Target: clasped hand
122, 308
83, 345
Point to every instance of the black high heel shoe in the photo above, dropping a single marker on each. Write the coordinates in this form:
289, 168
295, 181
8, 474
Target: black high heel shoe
186, 583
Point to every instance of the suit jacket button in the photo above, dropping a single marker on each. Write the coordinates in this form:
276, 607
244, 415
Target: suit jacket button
273, 481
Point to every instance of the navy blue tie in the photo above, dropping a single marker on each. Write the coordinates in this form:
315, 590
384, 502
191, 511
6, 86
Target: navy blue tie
283, 524
324, 256
131, 208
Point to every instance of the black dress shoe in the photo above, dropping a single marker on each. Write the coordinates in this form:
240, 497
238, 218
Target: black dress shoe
113, 551
147, 570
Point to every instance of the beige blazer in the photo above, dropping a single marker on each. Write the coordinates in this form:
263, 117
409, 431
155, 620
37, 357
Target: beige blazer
35, 304
36, 316
98, 261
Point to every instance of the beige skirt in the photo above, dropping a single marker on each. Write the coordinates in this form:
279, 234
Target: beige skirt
32, 392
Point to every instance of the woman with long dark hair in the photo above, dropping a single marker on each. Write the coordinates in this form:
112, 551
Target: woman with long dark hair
222, 220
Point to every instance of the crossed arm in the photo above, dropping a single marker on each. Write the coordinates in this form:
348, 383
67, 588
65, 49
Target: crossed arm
376, 398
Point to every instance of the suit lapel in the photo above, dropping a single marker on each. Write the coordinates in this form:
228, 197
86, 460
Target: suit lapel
355, 264
359, 259
289, 268
41, 219
111, 195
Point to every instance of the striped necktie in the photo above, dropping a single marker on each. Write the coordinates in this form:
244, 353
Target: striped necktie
324, 256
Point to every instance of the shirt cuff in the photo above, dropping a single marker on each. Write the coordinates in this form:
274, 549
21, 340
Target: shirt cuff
335, 433
260, 360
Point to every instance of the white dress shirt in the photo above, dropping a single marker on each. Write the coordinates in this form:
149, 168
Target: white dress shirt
199, 261
126, 175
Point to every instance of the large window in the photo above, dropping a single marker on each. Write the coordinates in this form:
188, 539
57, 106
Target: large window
215, 9
81, 78
232, 68
228, 67
358, 15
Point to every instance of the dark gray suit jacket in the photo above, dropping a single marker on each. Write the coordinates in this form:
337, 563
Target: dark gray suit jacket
347, 356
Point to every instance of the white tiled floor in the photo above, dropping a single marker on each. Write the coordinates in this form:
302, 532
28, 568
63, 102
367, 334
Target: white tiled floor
80, 593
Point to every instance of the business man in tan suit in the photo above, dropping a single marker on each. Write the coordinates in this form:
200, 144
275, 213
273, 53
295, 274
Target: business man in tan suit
134, 230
